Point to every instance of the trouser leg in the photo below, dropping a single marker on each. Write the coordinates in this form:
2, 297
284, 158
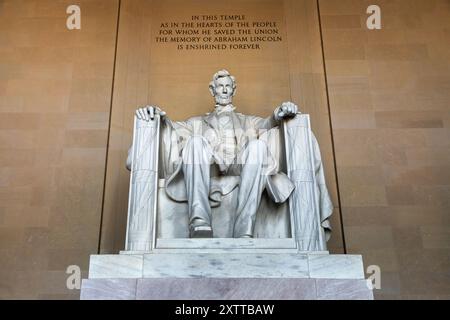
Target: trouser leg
196, 167
253, 181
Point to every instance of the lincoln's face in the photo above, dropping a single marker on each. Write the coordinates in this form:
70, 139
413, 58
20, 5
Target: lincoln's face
223, 91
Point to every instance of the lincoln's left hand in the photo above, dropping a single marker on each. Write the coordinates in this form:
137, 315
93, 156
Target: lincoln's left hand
286, 110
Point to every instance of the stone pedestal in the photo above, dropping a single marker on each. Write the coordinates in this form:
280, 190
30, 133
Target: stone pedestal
236, 276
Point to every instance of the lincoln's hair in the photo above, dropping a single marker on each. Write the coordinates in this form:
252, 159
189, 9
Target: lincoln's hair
222, 74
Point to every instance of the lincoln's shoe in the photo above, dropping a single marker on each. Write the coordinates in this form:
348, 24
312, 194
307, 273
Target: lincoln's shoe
200, 229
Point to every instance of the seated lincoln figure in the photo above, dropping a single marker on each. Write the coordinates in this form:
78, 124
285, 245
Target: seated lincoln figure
228, 142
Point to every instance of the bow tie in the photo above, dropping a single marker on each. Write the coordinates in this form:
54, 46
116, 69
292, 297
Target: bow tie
221, 109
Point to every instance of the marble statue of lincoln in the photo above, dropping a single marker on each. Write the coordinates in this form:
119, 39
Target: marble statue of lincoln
229, 142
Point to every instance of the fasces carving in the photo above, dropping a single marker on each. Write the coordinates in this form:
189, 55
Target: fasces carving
143, 184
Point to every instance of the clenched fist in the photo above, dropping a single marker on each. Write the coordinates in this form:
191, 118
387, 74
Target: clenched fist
286, 110
148, 113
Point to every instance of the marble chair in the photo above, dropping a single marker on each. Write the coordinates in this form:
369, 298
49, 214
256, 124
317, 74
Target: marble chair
155, 222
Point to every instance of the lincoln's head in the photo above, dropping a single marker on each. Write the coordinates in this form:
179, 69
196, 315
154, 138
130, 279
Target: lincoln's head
223, 87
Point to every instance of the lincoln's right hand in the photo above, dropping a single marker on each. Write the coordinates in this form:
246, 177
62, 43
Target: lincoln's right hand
148, 113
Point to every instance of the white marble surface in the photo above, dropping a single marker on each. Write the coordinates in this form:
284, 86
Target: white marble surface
115, 266
227, 243
143, 184
232, 265
238, 265
226, 276
108, 289
303, 202
344, 266
225, 289
344, 289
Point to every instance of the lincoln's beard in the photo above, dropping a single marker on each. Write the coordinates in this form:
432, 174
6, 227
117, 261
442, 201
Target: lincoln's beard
223, 101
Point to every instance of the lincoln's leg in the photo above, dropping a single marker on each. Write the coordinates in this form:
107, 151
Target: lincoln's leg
253, 180
196, 166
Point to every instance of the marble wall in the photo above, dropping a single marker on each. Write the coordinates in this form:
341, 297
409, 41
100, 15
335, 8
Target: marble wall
55, 94
389, 95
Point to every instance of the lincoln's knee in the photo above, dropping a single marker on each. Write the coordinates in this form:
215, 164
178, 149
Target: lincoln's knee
196, 151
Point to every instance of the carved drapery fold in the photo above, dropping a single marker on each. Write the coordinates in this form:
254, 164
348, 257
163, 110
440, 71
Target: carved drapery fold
143, 185
304, 200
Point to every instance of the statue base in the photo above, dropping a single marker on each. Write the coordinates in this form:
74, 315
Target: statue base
231, 276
